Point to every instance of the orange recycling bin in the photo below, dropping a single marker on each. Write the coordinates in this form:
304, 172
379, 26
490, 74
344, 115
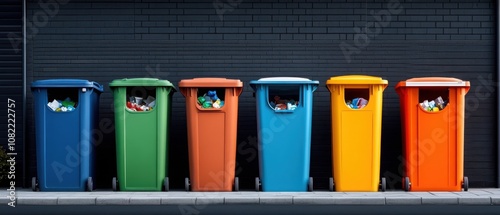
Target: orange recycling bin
356, 111
212, 118
432, 119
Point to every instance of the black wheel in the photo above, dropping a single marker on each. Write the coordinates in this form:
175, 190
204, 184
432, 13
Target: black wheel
115, 184
257, 184
310, 184
166, 185
236, 184
331, 185
90, 184
186, 184
465, 184
383, 184
407, 184
34, 184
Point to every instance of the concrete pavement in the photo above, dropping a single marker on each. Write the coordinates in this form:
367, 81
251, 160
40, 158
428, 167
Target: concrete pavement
489, 196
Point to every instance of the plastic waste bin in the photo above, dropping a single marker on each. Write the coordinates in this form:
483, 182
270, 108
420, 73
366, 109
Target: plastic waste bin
356, 107
212, 117
66, 112
432, 119
142, 120
284, 118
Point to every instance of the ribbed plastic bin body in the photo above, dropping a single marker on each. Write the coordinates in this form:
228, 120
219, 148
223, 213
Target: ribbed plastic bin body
284, 136
64, 143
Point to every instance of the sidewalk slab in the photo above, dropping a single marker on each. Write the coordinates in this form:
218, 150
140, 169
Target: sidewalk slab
75, 200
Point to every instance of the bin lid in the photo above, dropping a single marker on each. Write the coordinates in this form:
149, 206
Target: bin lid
65, 83
134, 82
210, 82
355, 79
433, 82
283, 80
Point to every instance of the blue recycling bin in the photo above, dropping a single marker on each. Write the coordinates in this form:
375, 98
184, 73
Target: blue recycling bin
284, 118
66, 114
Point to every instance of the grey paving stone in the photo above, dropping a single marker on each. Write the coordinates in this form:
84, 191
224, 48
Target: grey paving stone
109, 200
73, 200
36, 200
308, 200
285, 200
495, 200
242, 200
359, 201
478, 200
436, 200
181, 200
145, 200
5, 200
403, 200
206, 200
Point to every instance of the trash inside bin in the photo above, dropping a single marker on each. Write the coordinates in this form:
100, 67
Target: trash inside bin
212, 117
66, 113
142, 121
356, 111
433, 133
284, 118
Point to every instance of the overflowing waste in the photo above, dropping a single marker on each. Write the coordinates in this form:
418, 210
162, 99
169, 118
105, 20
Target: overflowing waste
283, 104
357, 103
210, 100
435, 105
62, 106
139, 104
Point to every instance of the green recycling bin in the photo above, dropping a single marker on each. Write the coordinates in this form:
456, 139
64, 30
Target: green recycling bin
142, 117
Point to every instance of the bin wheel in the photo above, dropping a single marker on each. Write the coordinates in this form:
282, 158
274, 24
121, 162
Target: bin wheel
310, 184
115, 184
383, 184
166, 185
90, 184
465, 184
236, 184
331, 185
407, 184
186, 183
257, 184
34, 184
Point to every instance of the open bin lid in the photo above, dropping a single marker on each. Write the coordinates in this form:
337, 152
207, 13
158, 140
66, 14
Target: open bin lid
355, 79
283, 81
141, 82
433, 82
210, 82
66, 83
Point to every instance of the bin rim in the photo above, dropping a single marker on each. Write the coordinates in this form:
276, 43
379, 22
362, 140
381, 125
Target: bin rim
433, 82
210, 82
141, 82
284, 80
355, 79
66, 83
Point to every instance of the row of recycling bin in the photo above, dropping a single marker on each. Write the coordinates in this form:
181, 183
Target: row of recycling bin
432, 138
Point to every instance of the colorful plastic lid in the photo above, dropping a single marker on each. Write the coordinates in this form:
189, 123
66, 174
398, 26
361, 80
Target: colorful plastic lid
146, 82
356, 79
210, 82
283, 80
433, 82
66, 83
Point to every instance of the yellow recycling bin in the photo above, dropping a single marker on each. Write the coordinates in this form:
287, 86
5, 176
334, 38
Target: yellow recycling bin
356, 106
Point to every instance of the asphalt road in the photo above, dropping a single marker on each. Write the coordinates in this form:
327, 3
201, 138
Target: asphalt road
251, 210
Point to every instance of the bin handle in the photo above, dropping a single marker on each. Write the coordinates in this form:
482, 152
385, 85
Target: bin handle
98, 86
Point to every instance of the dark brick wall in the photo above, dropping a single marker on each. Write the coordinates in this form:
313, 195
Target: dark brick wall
11, 81
106, 40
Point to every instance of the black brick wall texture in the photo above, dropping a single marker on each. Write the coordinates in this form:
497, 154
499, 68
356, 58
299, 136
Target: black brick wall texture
11, 81
103, 40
